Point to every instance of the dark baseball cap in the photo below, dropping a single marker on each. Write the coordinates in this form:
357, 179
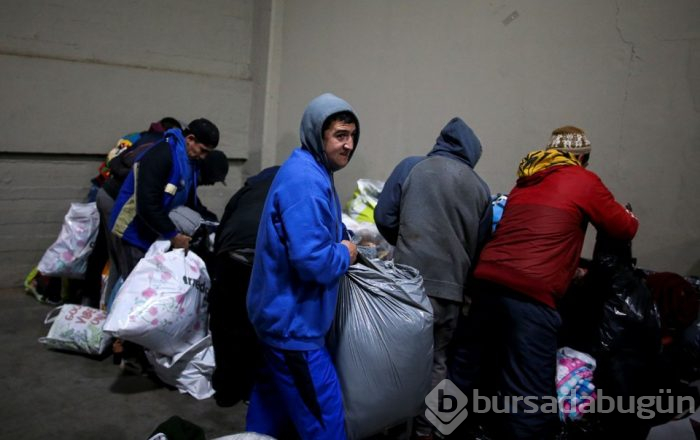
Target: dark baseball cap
204, 131
213, 168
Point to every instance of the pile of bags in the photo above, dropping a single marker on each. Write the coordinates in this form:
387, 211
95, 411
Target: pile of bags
358, 218
161, 306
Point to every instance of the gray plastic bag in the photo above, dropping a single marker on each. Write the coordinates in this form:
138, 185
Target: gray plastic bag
382, 345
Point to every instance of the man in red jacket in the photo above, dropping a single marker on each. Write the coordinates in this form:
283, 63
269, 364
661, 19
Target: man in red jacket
511, 331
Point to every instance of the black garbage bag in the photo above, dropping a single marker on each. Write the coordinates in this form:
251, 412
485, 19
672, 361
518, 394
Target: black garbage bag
629, 345
611, 310
610, 314
630, 320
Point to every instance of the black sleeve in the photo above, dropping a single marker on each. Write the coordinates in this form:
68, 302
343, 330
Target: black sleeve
119, 169
226, 223
153, 171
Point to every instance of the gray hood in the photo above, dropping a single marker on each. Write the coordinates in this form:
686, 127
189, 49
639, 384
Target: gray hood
316, 113
458, 141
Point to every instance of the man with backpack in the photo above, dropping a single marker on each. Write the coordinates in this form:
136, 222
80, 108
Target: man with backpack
114, 171
162, 178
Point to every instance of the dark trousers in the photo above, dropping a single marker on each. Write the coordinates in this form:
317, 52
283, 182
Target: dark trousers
129, 256
445, 316
236, 348
508, 344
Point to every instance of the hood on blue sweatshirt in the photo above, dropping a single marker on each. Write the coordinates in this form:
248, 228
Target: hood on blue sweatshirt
316, 113
458, 141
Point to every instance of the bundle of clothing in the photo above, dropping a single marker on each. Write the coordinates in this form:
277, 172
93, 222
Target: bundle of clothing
575, 388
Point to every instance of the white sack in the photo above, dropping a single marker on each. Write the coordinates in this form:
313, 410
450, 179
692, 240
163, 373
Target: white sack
68, 255
162, 304
189, 371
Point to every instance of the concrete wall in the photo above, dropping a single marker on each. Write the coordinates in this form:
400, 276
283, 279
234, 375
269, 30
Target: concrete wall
628, 72
265, 69
76, 75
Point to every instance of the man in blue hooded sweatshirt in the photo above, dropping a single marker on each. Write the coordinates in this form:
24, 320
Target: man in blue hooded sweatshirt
300, 254
437, 212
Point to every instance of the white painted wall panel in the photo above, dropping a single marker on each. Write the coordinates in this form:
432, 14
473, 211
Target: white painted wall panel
212, 38
76, 75
68, 107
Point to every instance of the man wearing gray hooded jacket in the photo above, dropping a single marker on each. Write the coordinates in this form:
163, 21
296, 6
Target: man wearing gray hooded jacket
437, 212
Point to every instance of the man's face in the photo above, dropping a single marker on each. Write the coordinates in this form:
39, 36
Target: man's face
338, 143
195, 149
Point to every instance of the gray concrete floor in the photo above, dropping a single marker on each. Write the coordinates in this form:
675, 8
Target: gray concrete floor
48, 394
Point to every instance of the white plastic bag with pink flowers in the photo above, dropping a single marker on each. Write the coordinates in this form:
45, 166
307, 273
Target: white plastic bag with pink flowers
68, 255
162, 304
76, 328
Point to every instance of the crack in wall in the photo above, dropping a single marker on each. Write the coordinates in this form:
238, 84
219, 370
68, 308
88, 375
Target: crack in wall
630, 62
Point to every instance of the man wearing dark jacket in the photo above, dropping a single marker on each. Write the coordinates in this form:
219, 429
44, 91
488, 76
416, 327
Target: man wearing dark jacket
236, 347
162, 179
511, 330
436, 210
116, 169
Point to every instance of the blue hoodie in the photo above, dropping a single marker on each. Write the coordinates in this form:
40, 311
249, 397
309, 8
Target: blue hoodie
298, 255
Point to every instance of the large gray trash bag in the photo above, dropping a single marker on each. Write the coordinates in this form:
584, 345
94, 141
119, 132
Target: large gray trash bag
382, 345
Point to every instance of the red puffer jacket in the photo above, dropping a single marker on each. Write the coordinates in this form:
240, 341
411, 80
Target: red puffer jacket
536, 247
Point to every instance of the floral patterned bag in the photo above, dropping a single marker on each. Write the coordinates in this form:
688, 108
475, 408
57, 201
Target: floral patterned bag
68, 255
76, 328
162, 304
